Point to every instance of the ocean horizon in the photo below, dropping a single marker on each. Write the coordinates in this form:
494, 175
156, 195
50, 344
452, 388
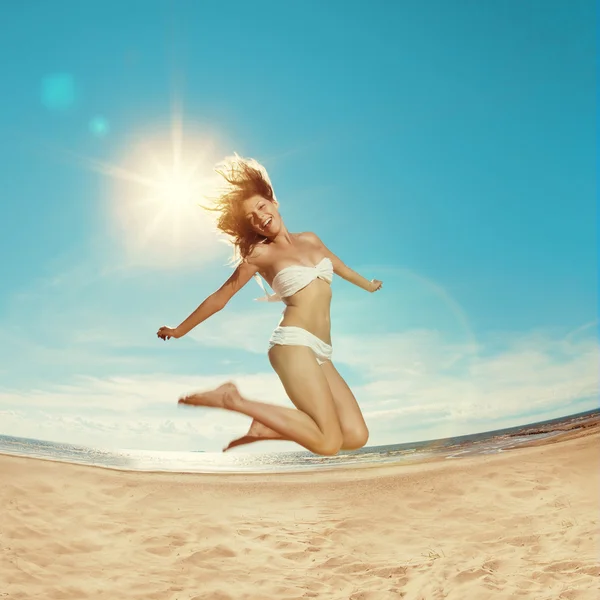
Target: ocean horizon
198, 461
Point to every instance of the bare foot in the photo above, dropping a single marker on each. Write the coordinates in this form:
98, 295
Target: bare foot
256, 433
225, 396
241, 441
259, 429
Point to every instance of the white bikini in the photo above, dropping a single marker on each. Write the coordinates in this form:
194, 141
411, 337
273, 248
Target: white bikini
286, 283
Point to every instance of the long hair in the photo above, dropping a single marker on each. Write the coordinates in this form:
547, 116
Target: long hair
244, 178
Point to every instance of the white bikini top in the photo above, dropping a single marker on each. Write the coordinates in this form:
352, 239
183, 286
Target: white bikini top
292, 279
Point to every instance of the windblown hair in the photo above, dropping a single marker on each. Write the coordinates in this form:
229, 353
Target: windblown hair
244, 178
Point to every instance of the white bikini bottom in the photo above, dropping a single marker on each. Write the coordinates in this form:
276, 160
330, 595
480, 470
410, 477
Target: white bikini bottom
296, 336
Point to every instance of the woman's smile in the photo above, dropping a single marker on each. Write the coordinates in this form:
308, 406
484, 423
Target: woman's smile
266, 224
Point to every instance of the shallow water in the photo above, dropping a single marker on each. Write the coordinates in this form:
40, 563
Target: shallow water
238, 462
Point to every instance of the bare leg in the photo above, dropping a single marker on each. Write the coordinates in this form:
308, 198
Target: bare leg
314, 425
354, 430
294, 424
257, 432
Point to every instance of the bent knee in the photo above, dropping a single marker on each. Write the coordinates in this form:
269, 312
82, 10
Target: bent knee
355, 438
331, 444
329, 449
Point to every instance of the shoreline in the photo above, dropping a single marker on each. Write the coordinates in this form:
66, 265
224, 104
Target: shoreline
575, 431
399, 466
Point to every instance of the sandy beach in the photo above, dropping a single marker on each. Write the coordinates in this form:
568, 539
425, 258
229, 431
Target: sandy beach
519, 524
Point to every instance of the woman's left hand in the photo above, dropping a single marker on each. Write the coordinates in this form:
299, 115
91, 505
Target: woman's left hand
376, 285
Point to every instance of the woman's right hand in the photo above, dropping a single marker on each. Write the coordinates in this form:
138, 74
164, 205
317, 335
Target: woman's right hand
376, 285
165, 333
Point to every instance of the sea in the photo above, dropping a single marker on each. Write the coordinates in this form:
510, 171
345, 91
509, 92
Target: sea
452, 448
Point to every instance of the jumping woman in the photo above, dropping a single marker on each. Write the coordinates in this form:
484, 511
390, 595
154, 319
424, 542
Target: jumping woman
299, 268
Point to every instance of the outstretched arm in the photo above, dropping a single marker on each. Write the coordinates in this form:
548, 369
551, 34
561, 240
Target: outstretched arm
214, 303
345, 272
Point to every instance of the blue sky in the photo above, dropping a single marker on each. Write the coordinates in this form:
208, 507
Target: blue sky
447, 148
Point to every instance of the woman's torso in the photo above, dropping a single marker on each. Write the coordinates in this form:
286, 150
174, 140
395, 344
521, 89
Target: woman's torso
308, 308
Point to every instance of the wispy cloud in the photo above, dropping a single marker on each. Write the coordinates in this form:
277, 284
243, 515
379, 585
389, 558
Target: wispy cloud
534, 372
413, 387
146, 393
132, 412
247, 330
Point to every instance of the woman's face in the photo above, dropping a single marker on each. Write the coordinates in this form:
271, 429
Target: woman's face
262, 215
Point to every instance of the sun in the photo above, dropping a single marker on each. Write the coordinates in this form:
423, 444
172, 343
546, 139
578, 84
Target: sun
155, 197
176, 190
158, 212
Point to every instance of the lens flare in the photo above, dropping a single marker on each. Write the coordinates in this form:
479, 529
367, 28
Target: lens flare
99, 126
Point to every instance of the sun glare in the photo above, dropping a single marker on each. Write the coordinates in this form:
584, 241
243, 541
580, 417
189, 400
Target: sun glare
158, 212
156, 194
176, 191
